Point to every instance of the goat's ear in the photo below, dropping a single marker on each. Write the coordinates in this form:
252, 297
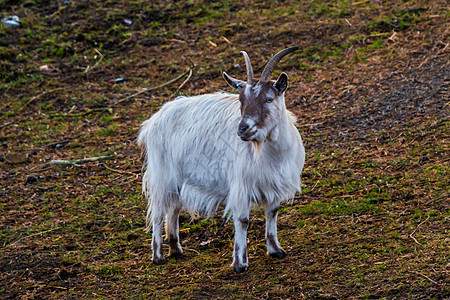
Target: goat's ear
282, 83
237, 84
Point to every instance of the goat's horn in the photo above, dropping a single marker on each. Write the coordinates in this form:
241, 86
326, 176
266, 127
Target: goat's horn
265, 76
249, 68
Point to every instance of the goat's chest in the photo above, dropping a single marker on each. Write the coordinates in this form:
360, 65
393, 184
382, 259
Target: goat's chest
273, 177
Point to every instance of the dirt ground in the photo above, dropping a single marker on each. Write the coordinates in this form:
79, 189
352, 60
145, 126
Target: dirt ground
369, 86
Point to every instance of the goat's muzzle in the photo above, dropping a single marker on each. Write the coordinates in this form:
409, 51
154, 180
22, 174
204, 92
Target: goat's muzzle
245, 132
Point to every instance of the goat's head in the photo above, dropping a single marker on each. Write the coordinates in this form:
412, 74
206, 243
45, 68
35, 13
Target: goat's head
261, 103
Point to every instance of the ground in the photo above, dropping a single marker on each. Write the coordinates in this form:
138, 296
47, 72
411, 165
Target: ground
369, 86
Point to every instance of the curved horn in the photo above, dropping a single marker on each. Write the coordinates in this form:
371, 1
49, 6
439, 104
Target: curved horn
249, 68
265, 76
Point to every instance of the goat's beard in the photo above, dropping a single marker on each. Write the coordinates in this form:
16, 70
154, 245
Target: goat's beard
257, 147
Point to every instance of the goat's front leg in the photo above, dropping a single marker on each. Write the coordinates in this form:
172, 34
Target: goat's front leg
172, 232
273, 246
240, 261
157, 251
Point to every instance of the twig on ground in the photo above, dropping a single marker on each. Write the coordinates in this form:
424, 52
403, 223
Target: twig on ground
225, 39
379, 34
188, 249
164, 236
193, 250
129, 177
55, 144
426, 277
88, 68
186, 80
422, 63
312, 124
315, 185
360, 2
120, 171
93, 110
81, 161
158, 86
412, 234
38, 233
391, 38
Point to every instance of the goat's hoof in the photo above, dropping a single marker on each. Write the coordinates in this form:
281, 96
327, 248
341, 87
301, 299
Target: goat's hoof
278, 254
240, 268
159, 261
177, 255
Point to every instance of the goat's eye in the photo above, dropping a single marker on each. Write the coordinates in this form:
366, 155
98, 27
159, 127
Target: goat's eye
268, 100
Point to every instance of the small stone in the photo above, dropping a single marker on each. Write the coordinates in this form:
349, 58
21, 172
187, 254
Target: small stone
11, 21
45, 68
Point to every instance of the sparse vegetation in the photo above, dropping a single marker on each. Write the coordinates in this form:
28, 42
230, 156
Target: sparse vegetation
369, 87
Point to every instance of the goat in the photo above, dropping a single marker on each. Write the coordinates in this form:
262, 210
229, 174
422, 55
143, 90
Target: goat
196, 161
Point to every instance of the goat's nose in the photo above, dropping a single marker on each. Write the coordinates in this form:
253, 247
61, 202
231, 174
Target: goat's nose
242, 127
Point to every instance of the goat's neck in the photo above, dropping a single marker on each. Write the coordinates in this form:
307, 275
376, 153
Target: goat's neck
280, 138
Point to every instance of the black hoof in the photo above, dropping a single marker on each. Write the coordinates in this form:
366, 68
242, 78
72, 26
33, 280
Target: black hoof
278, 254
159, 261
240, 269
177, 255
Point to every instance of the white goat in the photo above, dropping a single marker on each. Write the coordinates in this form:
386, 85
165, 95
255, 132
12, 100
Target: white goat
195, 160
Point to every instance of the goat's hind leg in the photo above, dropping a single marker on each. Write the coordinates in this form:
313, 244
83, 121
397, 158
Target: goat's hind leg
273, 246
157, 250
172, 232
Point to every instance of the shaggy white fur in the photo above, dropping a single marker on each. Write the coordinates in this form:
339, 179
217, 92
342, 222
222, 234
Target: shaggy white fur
195, 160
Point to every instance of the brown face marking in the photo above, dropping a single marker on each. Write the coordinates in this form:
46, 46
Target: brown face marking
253, 102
